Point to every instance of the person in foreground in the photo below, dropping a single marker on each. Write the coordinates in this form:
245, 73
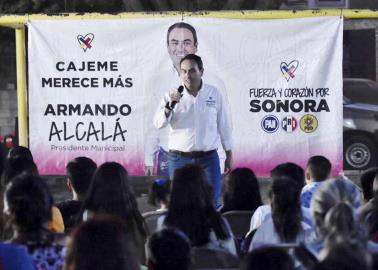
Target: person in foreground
28, 205
102, 243
168, 249
285, 225
110, 193
192, 211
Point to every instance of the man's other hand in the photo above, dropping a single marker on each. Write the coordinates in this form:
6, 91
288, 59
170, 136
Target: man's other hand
149, 170
228, 162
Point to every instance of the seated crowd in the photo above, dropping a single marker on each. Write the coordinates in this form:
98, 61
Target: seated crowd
311, 220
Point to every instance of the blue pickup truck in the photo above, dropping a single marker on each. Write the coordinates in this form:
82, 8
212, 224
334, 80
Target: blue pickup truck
360, 106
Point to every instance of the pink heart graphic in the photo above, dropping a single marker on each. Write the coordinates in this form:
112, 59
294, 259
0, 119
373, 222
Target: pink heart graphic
289, 69
85, 41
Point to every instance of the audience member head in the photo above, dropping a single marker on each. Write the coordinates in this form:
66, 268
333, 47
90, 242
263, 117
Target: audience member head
286, 209
110, 194
333, 206
318, 168
109, 191
190, 188
101, 243
28, 203
158, 194
191, 207
168, 249
290, 170
344, 257
242, 191
366, 180
341, 227
267, 258
16, 166
80, 172
19, 151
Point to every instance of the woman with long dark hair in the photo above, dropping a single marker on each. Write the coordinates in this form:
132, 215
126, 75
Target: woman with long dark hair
28, 204
242, 191
192, 211
101, 243
110, 194
284, 226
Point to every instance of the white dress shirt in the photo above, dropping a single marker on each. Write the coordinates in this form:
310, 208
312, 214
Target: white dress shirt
165, 80
196, 123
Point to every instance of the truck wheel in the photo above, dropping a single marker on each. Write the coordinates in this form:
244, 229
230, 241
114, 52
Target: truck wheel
359, 153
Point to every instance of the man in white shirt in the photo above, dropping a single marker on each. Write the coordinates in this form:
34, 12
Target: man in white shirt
181, 40
197, 118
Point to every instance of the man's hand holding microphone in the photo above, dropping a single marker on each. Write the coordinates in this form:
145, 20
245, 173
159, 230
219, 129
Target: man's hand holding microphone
175, 97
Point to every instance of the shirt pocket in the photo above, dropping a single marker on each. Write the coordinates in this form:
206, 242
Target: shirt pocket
209, 114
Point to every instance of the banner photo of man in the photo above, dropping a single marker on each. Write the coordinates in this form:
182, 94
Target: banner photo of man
95, 87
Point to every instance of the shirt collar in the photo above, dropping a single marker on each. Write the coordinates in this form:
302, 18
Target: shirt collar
199, 90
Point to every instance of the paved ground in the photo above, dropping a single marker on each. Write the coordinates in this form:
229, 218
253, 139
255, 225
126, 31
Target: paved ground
141, 184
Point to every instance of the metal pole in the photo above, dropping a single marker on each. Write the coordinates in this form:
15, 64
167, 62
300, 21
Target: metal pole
23, 131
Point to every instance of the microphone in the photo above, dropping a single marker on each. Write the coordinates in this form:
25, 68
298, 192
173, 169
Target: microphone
180, 89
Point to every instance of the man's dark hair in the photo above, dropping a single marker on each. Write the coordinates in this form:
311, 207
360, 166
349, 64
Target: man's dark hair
366, 180
267, 258
195, 58
168, 249
319, 167
80, 171
182, 25
290, 170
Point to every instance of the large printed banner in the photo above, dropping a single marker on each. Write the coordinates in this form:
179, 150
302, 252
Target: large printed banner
94, 87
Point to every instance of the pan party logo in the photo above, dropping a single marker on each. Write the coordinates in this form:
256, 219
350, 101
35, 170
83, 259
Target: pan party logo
308, 123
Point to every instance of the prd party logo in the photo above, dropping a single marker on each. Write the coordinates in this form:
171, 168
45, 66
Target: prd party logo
270, 123
289, 124
308, 123
289, 69
85, 41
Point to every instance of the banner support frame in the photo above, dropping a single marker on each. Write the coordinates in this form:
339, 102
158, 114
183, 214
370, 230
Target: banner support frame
18, 23
22, 101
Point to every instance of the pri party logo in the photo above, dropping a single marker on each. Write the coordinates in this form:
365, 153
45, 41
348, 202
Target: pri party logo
85, 41
289, 69
289, 124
